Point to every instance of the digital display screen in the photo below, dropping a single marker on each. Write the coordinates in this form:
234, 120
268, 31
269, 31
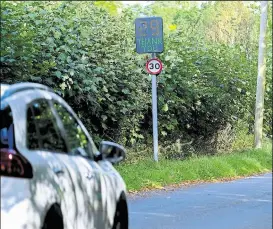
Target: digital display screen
149, 35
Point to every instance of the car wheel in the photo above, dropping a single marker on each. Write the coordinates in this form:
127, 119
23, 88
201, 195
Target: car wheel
121, 215
54, 218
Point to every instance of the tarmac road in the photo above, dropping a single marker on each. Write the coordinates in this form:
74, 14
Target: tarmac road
239, 204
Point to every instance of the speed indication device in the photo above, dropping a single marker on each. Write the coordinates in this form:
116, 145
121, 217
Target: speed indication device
149, 35
154, 66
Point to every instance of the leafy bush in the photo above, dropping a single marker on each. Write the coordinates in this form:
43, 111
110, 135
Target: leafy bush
87, 58
86, 52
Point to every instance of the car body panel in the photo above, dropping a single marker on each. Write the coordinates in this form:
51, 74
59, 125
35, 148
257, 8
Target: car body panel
87, 191
43, 164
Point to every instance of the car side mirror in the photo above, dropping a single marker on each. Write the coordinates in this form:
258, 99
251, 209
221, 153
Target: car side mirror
112, 152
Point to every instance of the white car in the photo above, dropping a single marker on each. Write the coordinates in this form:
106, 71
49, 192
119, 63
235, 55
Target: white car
52, 175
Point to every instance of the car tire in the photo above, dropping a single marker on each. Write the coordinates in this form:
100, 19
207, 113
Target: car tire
54, 218
121, 215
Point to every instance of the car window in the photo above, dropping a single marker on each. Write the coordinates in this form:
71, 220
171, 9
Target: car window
6, 129
42, 130
76, 137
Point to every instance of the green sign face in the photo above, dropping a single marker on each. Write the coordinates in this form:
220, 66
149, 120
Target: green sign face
149, 35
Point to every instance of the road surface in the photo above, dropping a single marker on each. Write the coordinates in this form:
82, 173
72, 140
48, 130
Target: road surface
240, 204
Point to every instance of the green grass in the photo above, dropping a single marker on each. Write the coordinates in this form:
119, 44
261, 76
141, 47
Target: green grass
147, 174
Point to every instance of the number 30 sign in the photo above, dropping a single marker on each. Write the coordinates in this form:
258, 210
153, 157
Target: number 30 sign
154, 66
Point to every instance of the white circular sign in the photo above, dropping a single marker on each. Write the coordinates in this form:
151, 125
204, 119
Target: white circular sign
154, 66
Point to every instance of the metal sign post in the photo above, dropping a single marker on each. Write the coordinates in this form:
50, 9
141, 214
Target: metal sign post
154, 109
149, 39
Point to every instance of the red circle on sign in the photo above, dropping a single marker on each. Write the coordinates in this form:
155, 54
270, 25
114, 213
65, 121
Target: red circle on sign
154, 66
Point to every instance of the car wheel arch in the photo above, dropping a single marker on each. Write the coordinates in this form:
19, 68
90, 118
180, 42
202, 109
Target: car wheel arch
53, 214
122, 207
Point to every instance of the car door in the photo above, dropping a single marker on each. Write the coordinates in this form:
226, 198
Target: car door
81, 151
44, 135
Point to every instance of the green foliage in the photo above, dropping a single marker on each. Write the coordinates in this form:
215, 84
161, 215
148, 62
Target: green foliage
88, 59
205, 88
86, 52
243, 139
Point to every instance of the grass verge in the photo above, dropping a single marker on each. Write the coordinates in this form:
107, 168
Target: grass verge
147, 174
